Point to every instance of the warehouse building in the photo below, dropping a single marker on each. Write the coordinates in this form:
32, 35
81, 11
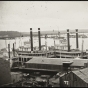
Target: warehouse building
55, 64
44, 64
78, 78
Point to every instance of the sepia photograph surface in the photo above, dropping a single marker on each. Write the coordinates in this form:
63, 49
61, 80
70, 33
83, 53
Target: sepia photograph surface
43, 43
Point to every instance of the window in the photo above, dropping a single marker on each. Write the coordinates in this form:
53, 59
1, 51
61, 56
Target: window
19, 59
24, 59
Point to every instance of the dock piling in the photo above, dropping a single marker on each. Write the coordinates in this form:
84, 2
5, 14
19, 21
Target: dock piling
13, 50
9, 50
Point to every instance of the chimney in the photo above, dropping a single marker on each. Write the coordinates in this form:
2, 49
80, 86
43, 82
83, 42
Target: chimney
31, 38
77, 38
39, 38
68, 40
9, 50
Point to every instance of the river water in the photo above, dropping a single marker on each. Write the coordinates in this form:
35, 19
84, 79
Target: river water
50, 42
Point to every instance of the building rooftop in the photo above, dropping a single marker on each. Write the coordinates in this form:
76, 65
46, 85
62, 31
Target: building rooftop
83, 74
57, 61
79, 62
41, 60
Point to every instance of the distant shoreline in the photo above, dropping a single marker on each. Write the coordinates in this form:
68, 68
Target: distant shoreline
14, 34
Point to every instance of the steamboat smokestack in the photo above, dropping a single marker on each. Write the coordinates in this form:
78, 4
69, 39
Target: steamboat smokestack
68, 40
31, 38
77, 38
39, 38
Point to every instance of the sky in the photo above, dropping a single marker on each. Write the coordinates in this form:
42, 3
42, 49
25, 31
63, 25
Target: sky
46, 15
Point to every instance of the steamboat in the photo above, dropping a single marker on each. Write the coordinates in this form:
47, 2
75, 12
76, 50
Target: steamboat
62, 50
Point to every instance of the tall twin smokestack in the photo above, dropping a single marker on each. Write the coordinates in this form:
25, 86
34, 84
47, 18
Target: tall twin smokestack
77, 38
39, 38
31, 38
69, 40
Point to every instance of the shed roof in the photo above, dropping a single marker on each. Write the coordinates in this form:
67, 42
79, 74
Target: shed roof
57, 61
44, 60
79, 62
83, 74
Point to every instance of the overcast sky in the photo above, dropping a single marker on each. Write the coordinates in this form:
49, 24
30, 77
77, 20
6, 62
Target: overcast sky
46, 15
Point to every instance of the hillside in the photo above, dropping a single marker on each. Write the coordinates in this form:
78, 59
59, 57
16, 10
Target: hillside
13, 34
9, 34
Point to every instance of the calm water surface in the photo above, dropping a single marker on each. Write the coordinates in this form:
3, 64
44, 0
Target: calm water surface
50, 42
